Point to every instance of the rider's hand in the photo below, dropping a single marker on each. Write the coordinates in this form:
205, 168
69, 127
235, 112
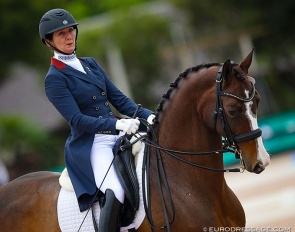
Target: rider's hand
150, 119
128, 125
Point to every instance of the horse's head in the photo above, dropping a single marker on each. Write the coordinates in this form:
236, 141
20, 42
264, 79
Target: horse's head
236, 113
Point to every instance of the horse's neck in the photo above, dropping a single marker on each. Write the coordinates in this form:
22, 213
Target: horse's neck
192, 136
188, 135
182, 128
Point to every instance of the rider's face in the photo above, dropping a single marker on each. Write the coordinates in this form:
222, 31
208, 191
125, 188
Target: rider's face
65, 39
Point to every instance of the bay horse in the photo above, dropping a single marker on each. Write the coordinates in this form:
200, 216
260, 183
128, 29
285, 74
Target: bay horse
209, 109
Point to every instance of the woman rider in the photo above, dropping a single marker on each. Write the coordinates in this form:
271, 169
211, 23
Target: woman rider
81, 91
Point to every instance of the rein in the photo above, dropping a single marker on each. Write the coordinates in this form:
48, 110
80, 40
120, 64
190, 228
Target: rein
170, 152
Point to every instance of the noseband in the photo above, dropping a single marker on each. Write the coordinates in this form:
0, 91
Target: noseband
231, 140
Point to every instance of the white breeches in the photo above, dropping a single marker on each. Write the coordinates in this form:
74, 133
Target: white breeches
101, 157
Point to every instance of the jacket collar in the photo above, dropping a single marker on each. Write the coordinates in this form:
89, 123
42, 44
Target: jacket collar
58, 64
89, 76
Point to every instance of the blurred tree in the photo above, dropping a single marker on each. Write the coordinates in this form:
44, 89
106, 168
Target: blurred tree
19, 31
274, 23
276, 18
145, 35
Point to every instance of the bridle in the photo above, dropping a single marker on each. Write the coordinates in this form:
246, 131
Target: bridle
231, 140
229, 145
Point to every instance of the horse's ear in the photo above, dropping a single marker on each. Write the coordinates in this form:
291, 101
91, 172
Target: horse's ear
245, 65
226, 71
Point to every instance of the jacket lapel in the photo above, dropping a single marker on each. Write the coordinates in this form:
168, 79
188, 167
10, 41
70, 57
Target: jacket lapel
68, 70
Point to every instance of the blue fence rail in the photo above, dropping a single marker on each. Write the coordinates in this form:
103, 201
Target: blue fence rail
278, 134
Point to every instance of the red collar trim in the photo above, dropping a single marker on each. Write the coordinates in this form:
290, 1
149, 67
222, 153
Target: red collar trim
57, 63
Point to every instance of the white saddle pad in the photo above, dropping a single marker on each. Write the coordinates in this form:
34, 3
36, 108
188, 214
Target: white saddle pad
69, 216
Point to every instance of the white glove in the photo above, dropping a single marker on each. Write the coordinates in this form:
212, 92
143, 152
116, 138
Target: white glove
128, 125
150, 119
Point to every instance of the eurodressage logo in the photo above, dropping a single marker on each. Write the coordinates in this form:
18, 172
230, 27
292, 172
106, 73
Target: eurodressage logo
247, 229
65, 22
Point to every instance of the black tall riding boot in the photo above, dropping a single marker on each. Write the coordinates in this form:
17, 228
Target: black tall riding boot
110, 213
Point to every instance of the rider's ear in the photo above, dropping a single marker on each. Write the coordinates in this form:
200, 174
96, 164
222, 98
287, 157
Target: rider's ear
245, 65
226, 71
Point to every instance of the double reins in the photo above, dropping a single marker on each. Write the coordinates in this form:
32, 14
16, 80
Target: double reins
154, 144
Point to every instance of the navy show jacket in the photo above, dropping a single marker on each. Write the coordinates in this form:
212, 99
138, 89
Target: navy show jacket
83, 100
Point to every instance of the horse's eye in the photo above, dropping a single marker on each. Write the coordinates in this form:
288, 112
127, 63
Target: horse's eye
234, 112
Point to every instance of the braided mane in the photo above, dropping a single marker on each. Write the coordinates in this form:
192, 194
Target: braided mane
174, 84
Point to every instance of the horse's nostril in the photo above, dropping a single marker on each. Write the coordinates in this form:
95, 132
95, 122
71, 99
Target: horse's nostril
258, 168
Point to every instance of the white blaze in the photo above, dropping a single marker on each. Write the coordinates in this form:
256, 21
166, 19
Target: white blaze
262, 155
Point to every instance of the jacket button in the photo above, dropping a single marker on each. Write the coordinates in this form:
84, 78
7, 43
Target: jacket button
97, 108
99, 116
111, 113
103, 93
106, 104
94, 97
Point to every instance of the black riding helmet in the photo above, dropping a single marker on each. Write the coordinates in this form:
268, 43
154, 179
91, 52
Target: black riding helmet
55, 20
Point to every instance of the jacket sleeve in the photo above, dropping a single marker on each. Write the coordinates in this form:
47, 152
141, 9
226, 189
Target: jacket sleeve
60, 96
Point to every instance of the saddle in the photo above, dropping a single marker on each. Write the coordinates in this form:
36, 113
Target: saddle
124, 165
69, 213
